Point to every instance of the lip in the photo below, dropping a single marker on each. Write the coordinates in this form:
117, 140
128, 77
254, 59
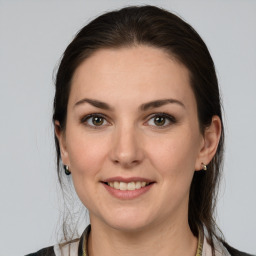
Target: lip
127, 194
127, 180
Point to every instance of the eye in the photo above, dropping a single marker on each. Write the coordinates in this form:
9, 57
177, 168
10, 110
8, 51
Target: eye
161, 120
94, 120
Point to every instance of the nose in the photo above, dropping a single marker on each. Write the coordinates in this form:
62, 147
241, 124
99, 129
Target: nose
127, 147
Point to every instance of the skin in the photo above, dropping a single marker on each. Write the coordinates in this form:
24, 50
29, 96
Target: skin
130, 143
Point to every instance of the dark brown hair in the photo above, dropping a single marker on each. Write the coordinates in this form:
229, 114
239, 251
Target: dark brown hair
156, 27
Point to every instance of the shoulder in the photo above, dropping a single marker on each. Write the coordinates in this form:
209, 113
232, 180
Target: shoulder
49, 251
71, 248
222, 248
65, 249
235, 252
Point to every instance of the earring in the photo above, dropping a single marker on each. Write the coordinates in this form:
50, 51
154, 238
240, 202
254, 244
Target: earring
204, 166
66, 168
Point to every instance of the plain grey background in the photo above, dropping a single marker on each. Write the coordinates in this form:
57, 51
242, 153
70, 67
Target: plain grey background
34, 34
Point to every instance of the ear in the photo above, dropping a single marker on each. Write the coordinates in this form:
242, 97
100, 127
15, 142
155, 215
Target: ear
209, 143
60, 134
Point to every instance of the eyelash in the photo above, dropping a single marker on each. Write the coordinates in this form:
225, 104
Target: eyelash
85, 119
167, 117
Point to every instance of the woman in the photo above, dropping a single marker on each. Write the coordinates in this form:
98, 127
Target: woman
138, 125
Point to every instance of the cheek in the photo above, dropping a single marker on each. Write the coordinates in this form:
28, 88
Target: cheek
176, 153
86, 152
174, 158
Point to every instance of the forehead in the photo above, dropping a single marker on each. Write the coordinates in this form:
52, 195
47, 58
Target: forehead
138, 72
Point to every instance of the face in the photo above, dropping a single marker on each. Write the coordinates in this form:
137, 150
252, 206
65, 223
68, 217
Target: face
132, 139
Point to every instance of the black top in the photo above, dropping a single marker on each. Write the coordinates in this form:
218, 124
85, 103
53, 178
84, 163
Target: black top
44, 252
49, 251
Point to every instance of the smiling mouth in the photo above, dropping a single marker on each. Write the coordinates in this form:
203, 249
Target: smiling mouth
134, 185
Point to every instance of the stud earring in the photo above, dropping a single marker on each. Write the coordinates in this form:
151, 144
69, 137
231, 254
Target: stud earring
204, 166
66, 168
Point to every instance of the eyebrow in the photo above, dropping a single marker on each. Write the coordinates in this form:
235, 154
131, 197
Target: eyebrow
143, 107
159, 103
95, 103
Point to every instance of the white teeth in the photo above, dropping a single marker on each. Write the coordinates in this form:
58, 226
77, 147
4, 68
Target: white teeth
143, 183
123, 186
116, 185
131, 186
128, 186
138, 185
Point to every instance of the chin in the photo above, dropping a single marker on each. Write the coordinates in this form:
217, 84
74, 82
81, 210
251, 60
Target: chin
129, 227
129, 222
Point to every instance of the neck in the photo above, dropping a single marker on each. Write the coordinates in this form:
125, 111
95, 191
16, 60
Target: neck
161, 240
